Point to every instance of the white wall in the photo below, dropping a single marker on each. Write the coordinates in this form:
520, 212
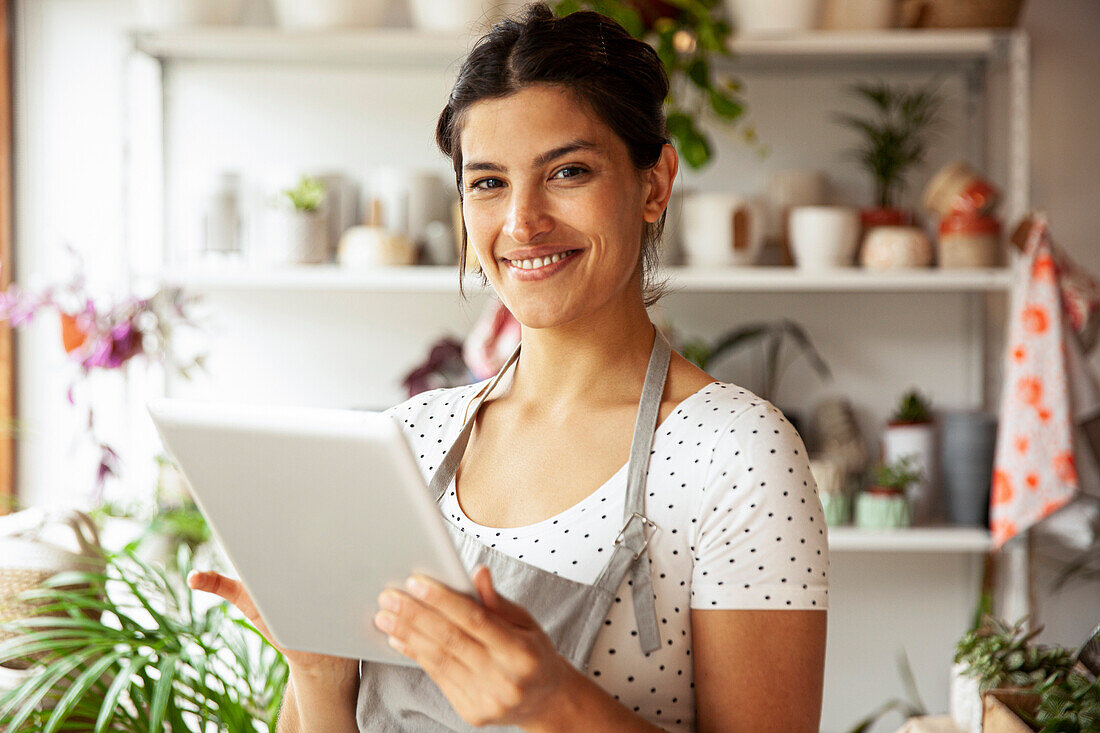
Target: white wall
351, 349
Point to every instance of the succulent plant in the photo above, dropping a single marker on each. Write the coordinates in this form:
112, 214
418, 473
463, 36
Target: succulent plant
999, 655
897, 475
308, 195
913, 408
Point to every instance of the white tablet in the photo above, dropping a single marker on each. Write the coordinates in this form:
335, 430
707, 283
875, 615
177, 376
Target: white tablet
318, 510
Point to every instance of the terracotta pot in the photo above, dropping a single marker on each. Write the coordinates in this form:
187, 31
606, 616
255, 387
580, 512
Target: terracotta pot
960, 13
884, 216
968, 240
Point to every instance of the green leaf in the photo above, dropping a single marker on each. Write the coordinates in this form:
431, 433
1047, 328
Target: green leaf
699, 72
77, 689
724, 106
119, 684
162, 690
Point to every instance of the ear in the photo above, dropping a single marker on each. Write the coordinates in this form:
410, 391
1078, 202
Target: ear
658, 186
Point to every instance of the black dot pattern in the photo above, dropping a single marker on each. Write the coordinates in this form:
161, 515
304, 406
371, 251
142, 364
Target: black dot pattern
740, 526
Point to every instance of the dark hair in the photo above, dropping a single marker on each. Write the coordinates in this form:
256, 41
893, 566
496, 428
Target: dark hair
619, 77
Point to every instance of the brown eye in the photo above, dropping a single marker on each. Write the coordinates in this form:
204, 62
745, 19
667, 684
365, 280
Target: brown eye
571, 171
486, 183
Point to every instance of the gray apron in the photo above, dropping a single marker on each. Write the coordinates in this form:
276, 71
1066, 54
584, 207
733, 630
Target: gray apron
393, 697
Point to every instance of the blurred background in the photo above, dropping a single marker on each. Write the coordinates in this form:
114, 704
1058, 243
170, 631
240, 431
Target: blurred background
242, 200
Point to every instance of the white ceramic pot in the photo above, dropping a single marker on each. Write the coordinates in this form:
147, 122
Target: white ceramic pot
965, 701
302, 14
367, 247
721, 230
918, 441
823, 237
860, 14
771, 17
177, 13
461, 16
890, 247
293, 237
789, 188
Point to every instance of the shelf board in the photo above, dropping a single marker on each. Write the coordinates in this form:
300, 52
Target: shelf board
945, 539
681, 279
410, 47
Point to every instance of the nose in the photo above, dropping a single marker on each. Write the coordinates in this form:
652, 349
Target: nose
528, 216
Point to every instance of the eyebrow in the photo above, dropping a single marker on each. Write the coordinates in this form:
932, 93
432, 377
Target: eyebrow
539, 161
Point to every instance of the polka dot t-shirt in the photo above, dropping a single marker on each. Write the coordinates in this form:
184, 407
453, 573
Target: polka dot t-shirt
739, 526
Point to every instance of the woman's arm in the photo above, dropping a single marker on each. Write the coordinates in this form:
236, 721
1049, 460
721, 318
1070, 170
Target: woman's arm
328, 703
758, 669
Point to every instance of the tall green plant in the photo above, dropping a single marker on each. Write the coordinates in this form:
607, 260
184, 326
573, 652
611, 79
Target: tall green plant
689, 36
129, 651
895, 137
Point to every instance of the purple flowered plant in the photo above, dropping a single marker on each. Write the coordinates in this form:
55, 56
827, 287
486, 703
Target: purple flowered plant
99, 337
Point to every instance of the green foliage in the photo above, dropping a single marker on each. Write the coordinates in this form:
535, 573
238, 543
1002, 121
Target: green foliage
998, 655
913, 408
897, 475
689, 42
895, 136
773, 335
127, 650
307, 195
1068, 705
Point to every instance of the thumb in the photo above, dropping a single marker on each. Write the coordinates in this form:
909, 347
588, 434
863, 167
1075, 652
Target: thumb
498, 604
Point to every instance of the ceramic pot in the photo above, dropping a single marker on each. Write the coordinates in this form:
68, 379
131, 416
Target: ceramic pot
918, 442
370, 247
837, 508
721, 230
968, 240
887, 248
968, 440
314, 14
184, 13
965, 700
882, 511
823, 237
960, 13
859, 14
456, 16
774, 17
957, 188
293, 237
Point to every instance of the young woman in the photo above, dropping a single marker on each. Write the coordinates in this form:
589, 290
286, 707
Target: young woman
647, 543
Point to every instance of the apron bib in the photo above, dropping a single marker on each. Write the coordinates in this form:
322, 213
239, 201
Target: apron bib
394, 697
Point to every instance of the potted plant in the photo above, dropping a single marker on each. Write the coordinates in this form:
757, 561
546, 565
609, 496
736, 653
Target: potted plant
134, 650
884, 503
994, 655
688, 37
772, 335
299, 227
894, 139
911, 432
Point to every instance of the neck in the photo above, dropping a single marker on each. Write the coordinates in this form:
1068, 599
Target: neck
597, 357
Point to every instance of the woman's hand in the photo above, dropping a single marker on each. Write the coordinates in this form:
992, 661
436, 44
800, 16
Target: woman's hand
492, 660
320, 665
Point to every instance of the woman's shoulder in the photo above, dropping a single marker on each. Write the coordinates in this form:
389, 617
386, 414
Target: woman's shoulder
435, 408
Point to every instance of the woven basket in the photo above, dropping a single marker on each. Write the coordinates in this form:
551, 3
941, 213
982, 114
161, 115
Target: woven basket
29, 556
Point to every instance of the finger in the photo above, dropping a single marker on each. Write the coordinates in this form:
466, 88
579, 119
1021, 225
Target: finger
462, 610
428, 635
226, 588
497, 603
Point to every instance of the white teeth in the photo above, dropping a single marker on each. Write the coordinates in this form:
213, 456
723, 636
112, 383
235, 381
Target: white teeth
537, 262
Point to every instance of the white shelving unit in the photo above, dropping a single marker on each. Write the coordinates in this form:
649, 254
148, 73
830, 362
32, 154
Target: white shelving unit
974, 51
425, 279
994, 64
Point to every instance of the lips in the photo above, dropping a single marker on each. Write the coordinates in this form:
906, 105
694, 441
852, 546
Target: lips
535, 263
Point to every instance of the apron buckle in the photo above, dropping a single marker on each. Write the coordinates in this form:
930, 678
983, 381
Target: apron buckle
646, 522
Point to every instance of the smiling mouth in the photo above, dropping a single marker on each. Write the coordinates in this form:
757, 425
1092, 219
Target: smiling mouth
536, 263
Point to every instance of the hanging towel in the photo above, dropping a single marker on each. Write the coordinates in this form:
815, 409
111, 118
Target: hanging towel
1035, 467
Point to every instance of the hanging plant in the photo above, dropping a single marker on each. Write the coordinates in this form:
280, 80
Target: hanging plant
689, 36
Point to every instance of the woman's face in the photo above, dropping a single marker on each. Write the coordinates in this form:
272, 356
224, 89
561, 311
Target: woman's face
553, 205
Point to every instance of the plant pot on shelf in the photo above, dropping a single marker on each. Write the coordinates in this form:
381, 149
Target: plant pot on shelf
823, 237
830, 480
895, 248
882, 508
316, 14
965, 700
859, 14
460, 16
721, 230
960, 13
774, 17
968, 440
294, 237
969, 240
187, 13
917, 440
